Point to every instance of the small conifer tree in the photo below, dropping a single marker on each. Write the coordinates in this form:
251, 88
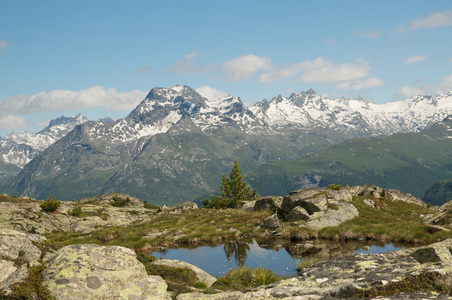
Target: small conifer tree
233, 191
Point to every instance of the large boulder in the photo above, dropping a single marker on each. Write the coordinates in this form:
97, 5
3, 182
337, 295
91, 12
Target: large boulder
100, 272
318, 208
268, 203
202, 275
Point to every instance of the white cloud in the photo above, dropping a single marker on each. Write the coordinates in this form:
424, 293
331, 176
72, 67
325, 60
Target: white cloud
361, 84
282, 73
96, 96
415, 58
371, 34
10, 122
245, 67
4, 44
211, 93
324, 71
186, 65
319, 70
434, 20
440, 87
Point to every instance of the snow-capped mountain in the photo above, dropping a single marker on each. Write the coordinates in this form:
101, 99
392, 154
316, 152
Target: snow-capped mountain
20, 148
356, 116
176, 144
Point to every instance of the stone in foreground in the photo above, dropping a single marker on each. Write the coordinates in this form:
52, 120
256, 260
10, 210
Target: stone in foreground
100, 272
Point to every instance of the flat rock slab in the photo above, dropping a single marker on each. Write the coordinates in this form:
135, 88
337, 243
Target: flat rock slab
202, 275
100, 272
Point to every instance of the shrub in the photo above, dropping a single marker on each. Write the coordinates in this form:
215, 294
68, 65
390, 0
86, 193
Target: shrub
119, 202
50, 205
333, 186
77, 211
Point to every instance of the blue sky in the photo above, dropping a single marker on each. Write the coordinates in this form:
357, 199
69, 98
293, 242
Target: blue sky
100, 58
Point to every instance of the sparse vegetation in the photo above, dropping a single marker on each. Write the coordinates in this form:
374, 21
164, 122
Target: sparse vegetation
242, 278
50, 205
32, 287
333, 186
410, 284
119, 202
77, 211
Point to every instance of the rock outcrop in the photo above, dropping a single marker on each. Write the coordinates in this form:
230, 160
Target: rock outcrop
26, 214
317, 208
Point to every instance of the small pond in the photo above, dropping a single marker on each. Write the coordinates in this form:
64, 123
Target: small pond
281, 257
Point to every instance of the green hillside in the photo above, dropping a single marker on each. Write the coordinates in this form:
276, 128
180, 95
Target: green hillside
410, 162
439, 193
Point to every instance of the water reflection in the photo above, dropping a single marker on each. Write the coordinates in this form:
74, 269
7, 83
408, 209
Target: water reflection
238, 249
279, 255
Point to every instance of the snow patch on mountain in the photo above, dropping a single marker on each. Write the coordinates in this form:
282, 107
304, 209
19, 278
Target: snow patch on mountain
20, 148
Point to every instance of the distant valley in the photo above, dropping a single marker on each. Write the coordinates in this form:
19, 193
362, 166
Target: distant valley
175, 146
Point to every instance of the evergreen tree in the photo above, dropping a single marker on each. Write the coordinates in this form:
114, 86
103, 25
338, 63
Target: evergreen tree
233, 191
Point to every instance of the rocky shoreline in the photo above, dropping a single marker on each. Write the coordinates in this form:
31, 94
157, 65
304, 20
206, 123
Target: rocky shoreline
89, 271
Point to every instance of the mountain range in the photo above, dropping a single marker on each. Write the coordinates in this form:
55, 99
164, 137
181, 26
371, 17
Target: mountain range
175, 145
411, 162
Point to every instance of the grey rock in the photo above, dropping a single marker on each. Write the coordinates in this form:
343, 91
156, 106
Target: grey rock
268, 203
100, 272
15, 277
297, 214
272, 222
396, 195
248, 205
7, 268
15, 244
201, 274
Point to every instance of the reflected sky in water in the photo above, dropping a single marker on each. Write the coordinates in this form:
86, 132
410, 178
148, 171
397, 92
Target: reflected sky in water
214, 261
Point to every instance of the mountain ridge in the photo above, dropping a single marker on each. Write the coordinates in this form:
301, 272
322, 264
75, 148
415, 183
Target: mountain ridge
176, 142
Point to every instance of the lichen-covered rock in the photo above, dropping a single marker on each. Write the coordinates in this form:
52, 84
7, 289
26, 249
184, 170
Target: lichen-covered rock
248, 205
396, 195
7, 268
297, 214
268, 203
187, 206
319, 208
15, 277
200, 274
15, 244
272, 222
100, 272
333, 216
